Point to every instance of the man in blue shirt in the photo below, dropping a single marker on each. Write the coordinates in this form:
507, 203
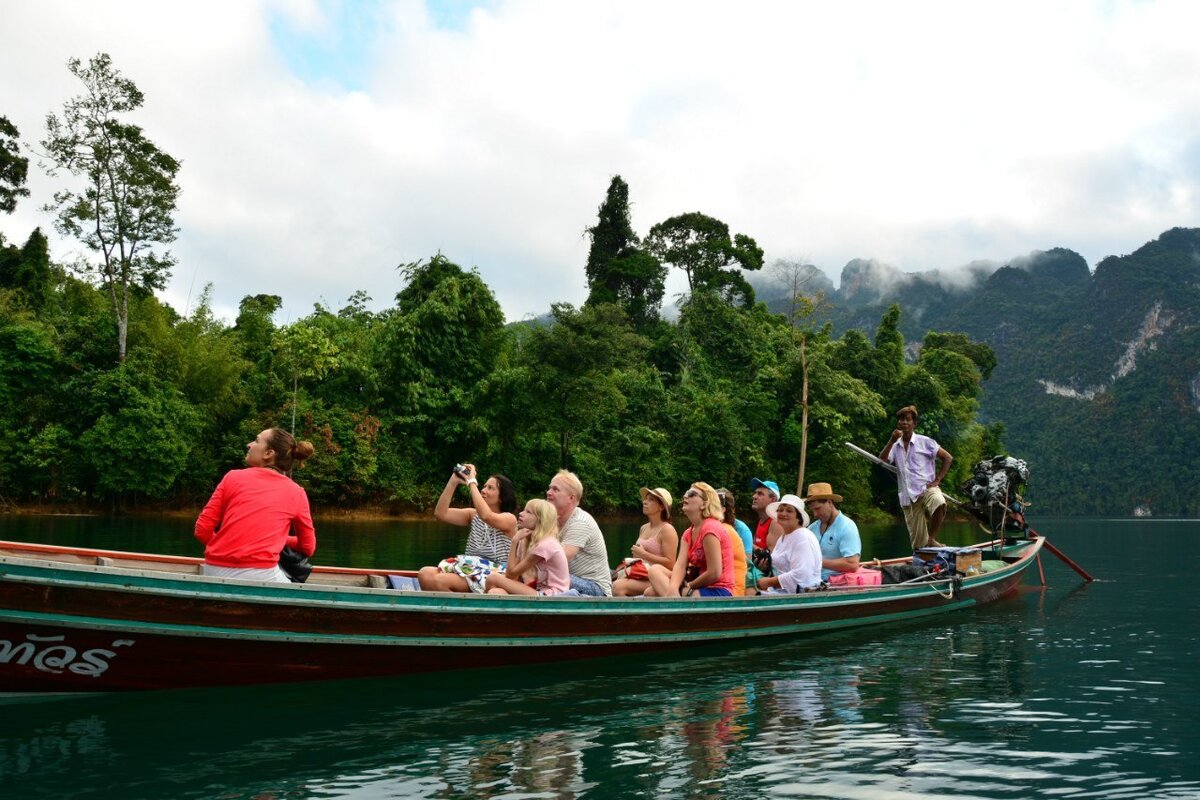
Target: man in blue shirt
837, 533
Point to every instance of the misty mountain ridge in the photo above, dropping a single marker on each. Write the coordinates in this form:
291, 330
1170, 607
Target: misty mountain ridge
1098, 382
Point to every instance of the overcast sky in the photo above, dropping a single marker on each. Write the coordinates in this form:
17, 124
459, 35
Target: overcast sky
323, 143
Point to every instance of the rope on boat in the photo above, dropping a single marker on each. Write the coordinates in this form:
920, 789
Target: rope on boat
948, 595
954, 581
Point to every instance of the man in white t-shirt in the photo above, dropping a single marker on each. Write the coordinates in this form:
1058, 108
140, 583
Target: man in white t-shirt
587, 554
921, 498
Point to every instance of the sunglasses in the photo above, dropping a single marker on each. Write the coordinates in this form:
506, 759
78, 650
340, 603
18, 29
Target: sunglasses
693, 493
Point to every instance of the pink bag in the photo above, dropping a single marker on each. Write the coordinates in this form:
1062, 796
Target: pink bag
861, 577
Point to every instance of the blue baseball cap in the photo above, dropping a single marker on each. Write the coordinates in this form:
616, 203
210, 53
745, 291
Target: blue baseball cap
770, 486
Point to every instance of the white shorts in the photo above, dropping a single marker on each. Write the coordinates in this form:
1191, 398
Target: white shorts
269, 575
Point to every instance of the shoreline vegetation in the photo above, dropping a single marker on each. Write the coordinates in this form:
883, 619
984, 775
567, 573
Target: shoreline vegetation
111, 399
362, 514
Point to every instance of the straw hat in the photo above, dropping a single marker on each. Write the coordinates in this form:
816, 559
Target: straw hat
660, 494
822, 491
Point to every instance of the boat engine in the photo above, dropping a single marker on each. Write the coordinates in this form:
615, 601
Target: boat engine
993, 494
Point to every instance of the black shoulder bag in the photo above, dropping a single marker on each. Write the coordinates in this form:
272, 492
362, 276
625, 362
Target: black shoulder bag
295, 564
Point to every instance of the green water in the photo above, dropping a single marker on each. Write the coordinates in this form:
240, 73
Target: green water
1070, 690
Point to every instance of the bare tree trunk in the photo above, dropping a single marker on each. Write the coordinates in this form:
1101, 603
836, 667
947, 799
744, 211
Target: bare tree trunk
120, 301
803, 418
122, 333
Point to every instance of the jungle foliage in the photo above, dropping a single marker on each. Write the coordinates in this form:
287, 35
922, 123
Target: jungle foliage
392, 398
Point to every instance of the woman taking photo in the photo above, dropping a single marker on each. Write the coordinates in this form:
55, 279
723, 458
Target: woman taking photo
704, 566
796, 559
657, 544
256, 511
492, 522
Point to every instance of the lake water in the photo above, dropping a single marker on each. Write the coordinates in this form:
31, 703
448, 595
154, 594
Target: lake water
1068, 690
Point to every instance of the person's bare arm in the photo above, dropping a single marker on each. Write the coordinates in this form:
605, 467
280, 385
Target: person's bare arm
502, 521
944, 456
887, 448
443, 511
844, 564
712, 570
668, 543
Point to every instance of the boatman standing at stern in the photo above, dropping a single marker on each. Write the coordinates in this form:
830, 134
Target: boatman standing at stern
921, 498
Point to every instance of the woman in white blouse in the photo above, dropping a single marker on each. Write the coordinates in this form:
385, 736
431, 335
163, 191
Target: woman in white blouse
796, 559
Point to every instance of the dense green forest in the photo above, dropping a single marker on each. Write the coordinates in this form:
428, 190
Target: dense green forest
393, 398
110, 398
1098, 373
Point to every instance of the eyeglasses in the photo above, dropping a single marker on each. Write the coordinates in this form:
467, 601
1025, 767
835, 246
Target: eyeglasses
692, 493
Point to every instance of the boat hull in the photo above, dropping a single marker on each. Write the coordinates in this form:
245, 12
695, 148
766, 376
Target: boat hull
82, 628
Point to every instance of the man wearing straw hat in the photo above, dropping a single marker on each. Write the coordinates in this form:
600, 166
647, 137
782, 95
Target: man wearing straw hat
836, 533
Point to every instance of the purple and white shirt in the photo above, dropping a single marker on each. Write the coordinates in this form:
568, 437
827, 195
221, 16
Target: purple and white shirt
915, 467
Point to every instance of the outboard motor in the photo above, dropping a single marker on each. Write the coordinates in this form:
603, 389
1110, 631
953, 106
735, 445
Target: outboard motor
993, 494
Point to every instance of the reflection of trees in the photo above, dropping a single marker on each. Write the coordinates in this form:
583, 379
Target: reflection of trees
653, 727
486, 765
550, 763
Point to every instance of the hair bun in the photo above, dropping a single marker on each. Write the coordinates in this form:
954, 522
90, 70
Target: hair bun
302, 450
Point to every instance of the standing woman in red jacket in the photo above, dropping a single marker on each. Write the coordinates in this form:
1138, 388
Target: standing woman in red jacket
254, 512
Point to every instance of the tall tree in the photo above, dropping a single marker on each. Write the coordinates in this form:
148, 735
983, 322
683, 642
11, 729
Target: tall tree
574, 364
28, 269
796, 278
307, 352
702, 247
125, 206
14, 168
432, 353
612, 235
618, 271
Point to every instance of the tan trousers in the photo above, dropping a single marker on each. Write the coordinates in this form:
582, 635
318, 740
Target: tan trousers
917, 516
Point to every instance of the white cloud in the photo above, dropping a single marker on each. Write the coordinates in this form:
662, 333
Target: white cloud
922, 135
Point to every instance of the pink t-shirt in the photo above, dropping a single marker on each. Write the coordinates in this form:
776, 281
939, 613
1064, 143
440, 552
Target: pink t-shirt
553, 576
711, 527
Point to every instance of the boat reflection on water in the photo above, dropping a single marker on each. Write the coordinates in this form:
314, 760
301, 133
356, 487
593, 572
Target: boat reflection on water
767, 717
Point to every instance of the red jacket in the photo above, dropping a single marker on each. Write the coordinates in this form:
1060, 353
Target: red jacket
252, 514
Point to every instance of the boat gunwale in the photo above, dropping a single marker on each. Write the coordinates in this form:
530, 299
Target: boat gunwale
184, 585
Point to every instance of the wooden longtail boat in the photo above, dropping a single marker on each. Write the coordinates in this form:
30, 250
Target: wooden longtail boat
82, 620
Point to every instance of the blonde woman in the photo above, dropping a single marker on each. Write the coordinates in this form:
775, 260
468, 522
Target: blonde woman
704, 566
657, 544
539, 550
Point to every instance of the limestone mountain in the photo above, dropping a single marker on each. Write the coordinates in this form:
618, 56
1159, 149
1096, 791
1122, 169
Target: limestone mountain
1098, 381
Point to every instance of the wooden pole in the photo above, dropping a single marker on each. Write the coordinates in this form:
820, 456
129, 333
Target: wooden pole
1063, 556
803, 418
